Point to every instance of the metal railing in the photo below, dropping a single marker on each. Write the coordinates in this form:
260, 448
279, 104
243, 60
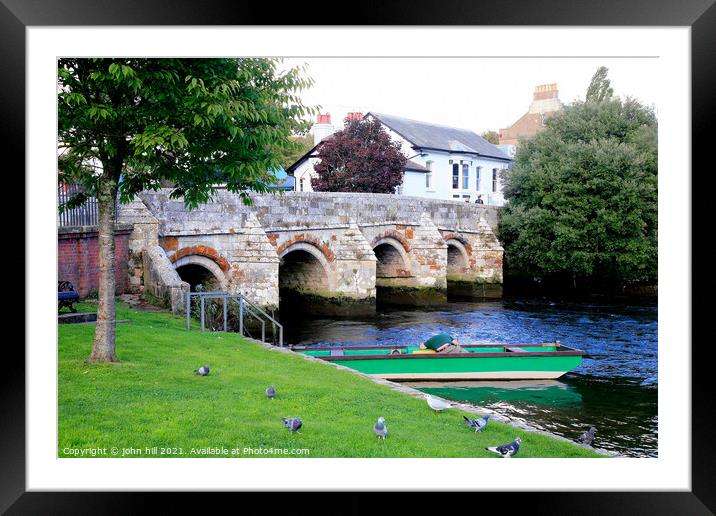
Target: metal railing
245, 306
85, 215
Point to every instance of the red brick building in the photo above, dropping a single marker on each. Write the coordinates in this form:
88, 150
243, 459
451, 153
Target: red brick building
545, 103
78, 256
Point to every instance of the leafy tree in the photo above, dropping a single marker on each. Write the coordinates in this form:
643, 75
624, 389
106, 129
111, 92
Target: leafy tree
582, 198
600, 86
302, 144
491, 136
127, 125
359, 158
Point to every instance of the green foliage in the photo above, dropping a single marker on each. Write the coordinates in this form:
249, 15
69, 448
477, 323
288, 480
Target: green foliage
600, 86
153, 398
301, 144
491, 136
193, 123
582, 197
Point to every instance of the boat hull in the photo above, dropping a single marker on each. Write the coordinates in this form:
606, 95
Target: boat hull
540, 362
487, 375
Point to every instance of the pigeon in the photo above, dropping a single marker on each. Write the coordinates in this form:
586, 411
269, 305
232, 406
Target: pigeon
380, 429
587, 437
202, 371
270, 391
437, 404
292, 423
477, 424
506, 450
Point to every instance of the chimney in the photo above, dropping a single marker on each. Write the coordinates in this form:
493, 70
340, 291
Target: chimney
322, 128
545, 91
545, 99
355, 115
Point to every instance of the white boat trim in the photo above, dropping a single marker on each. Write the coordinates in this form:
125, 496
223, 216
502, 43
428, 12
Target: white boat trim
482, 375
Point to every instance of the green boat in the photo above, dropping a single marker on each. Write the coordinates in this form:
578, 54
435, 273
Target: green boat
483, 362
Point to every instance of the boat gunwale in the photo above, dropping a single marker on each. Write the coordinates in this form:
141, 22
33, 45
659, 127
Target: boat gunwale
397, 346
566, 352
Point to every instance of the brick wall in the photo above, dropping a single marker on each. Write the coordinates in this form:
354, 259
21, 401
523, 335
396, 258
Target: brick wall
78, 258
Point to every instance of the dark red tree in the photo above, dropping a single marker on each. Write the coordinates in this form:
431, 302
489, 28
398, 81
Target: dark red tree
360, 158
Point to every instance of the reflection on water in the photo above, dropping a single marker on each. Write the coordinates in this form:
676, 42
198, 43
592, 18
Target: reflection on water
624, 413
615, 390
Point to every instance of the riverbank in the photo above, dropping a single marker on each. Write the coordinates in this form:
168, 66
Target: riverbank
152, 405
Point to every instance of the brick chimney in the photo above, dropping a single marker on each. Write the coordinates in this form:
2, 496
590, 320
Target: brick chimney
546, 91
545, 99
322, 128
355, 115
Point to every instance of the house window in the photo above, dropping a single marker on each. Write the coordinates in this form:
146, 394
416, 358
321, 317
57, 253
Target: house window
466, 198
466, 177
494, 179
300, 185
456, 176
429, 175
477, 182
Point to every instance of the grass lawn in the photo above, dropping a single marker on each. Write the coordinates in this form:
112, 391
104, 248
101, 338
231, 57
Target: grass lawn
152, 398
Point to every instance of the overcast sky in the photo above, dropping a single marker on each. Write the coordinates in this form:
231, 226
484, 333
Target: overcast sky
473, 93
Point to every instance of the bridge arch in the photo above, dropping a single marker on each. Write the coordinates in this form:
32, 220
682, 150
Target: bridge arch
304, 268
196, 269
458, 258
393, 260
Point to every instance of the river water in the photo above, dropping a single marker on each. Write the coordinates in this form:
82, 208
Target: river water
615, 390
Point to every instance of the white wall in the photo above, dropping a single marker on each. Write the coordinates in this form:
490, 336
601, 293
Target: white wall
442, 183
305, 171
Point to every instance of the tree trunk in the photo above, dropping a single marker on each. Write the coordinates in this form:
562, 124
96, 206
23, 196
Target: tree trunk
103, 347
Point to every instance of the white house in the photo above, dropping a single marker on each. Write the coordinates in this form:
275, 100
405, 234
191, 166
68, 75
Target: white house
443, 162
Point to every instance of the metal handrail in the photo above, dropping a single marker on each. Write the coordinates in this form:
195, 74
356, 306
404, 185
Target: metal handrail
245, 304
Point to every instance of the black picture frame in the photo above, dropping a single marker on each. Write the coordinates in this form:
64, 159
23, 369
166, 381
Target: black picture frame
700, 15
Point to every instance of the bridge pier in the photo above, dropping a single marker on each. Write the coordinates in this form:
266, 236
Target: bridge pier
474, 267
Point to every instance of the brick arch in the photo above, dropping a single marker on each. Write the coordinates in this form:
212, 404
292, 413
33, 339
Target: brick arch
201, 250
459, 238
384, 260
318, 255
395, 236
321, 246
206, 263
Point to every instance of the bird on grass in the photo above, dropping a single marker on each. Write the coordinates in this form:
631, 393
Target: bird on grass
380, 429
477, 424
506, 450
202, 371
270, 392
437, 404
292, 423
587, 437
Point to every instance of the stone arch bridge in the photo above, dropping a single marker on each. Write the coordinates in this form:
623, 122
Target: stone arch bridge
335, 249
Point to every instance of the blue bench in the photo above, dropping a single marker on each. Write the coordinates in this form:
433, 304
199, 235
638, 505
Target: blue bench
66, 296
